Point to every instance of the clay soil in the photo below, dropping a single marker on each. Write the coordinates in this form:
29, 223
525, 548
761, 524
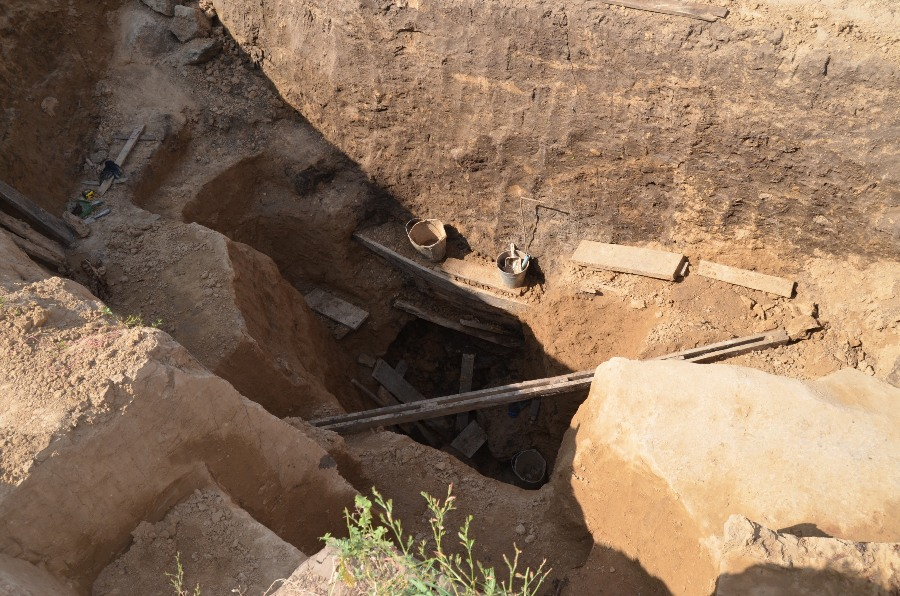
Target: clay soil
230, 154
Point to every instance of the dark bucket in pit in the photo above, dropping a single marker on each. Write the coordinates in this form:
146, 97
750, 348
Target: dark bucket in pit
530, 467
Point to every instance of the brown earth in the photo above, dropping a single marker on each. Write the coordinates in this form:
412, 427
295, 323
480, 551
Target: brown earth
758, 141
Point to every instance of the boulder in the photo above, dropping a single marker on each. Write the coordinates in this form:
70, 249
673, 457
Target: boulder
189, 23
199, 51
662, 453
146, 34
166, 7
757, 561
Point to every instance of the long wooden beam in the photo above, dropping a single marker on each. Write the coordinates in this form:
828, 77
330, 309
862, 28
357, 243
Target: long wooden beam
505, 394
441, 280
704, 12
49, 225
502, 340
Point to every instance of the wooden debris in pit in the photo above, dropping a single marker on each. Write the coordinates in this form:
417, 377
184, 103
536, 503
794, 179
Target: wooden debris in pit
336, 309
748, 279
433, 317
506, 394
470, 439
442, 281
476, 273
629, 259
475, 323
366, 360
32, 243
123, 155
365, 391
48, 225
466, 373
395, 384
703, 12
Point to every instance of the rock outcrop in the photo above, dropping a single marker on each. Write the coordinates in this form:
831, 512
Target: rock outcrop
662, 453
105, 426
757, 562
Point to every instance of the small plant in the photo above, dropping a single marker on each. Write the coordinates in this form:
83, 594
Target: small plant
176, 580
132, 321
380, 559
157, 323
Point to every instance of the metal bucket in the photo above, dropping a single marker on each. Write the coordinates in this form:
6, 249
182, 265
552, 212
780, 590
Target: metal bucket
507, 278
530, 467
428, 237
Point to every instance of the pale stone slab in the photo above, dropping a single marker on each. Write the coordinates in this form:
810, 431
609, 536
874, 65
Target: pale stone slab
748, 279
336, 309
629, 259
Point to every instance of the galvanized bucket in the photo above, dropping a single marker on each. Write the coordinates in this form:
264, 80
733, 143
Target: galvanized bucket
530, 467
428, 237
508, 277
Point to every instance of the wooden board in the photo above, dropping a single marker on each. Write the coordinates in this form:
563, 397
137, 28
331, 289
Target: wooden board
477, 273
748, 279
470, 439
704, 12
48, 225
336, 309
442, 281
502, 340
395, 384
123, 155
628, 259
563, 384
38, 252
25, 231
466, 372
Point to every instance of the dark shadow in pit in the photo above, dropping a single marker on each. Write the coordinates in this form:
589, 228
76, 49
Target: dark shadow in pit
797, 581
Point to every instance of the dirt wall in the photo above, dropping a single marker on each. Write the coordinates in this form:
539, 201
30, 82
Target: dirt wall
552, 123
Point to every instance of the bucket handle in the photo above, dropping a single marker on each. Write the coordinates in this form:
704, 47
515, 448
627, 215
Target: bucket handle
413, 221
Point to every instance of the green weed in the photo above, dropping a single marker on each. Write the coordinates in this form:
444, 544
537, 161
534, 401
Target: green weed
176, 580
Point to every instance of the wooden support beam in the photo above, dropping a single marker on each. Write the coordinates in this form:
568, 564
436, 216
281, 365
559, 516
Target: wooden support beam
703, 12
23, 230
441, 280
477, 273
38, 252
502, 340
466, 372
49, 225
485, 398
365, 391
123, 155
748, 279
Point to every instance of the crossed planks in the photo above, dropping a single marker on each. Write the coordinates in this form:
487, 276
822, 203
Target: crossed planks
495, 396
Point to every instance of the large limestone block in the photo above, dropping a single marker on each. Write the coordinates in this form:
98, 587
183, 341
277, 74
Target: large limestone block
758, 562
662, 453
189, 23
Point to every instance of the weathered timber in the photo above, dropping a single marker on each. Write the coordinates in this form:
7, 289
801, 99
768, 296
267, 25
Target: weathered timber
123, 155
22, 229
628, 259
476, 273
484, 398
38, 252
365, 391
492, 327
441, 280
466, 373
49, 225
395, 384
703, 12
470, 439
336, 309
748, 279
503, 340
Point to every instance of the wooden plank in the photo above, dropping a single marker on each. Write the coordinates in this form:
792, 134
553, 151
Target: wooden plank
431, 409
396, 384
748, 279
502, 340
49, 225
365, 391
466, 372
22, 229
704, 12
123, 155
37, 252
473, 400
470, 439
441, 280
336, 309
628, 259
474, 323
476, 273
